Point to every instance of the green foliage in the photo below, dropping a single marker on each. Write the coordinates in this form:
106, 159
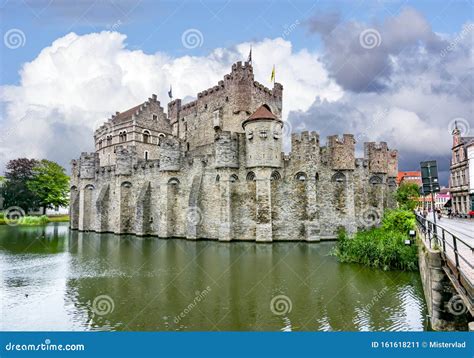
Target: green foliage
14, 190
401, 221
33, 220
50, 183
27, 220
407, 196
382, 247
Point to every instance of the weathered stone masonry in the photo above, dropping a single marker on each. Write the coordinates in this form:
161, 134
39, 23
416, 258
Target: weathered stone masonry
214, 168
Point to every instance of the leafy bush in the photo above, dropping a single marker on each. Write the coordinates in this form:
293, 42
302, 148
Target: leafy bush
401, 221
33, 220
382, 247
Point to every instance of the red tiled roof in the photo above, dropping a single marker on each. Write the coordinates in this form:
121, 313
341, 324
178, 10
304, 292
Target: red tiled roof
401, 175
127, 114
263, 112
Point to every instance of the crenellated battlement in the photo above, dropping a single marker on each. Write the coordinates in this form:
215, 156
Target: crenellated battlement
361, 163
305, 146
377, 154
341, 151
392, 163
303, 137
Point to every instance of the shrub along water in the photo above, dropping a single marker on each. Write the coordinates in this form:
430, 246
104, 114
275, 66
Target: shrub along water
33, 220
25, 220
383, 247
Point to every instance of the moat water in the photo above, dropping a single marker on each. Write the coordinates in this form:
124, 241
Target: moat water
56, 279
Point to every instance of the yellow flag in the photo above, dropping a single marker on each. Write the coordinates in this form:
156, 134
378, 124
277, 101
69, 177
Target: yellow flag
272, 78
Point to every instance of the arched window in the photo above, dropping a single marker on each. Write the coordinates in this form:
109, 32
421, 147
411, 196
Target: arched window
233, 178
126, 184
109, 140
146, 136
251, 176
375, 179
391, 182
89, 187
100, 143
145, 154
338, 178
218, 178
123, 136
173, 181
316, 177
300, 176
275, 175
160, 135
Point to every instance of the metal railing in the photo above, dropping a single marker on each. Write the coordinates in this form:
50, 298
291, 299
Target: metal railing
456, 253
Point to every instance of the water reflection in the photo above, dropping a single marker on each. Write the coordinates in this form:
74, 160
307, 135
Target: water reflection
158, 285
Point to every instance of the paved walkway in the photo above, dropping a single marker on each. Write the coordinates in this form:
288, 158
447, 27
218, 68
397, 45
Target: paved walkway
464, 230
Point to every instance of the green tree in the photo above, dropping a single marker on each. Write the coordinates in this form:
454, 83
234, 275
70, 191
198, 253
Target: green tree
50, 183
407, 196
15, 191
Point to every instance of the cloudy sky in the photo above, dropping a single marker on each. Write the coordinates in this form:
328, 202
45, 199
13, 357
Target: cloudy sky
396, 71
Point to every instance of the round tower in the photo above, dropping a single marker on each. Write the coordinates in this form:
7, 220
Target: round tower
263, 132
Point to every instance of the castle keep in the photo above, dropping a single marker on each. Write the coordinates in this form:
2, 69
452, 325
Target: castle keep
214, 168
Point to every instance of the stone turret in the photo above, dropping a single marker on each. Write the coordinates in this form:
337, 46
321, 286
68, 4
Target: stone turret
341, 152
125, 156
227, 150
377, 153
263, 131
87, 165
239, 82
170, 154
392, 163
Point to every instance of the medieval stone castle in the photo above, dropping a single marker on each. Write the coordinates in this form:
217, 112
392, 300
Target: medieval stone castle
214, 168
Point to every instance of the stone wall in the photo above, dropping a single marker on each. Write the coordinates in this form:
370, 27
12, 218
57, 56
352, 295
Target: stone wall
438, 291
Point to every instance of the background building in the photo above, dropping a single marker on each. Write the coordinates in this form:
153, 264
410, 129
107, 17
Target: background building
409, 177
461, 190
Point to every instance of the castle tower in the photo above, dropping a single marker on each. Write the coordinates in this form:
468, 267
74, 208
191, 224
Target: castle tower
263, 132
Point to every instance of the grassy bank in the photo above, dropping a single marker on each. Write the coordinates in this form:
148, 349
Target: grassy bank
35, 220
383, 247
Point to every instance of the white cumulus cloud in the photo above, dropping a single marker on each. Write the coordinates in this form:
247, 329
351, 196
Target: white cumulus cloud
79, 81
